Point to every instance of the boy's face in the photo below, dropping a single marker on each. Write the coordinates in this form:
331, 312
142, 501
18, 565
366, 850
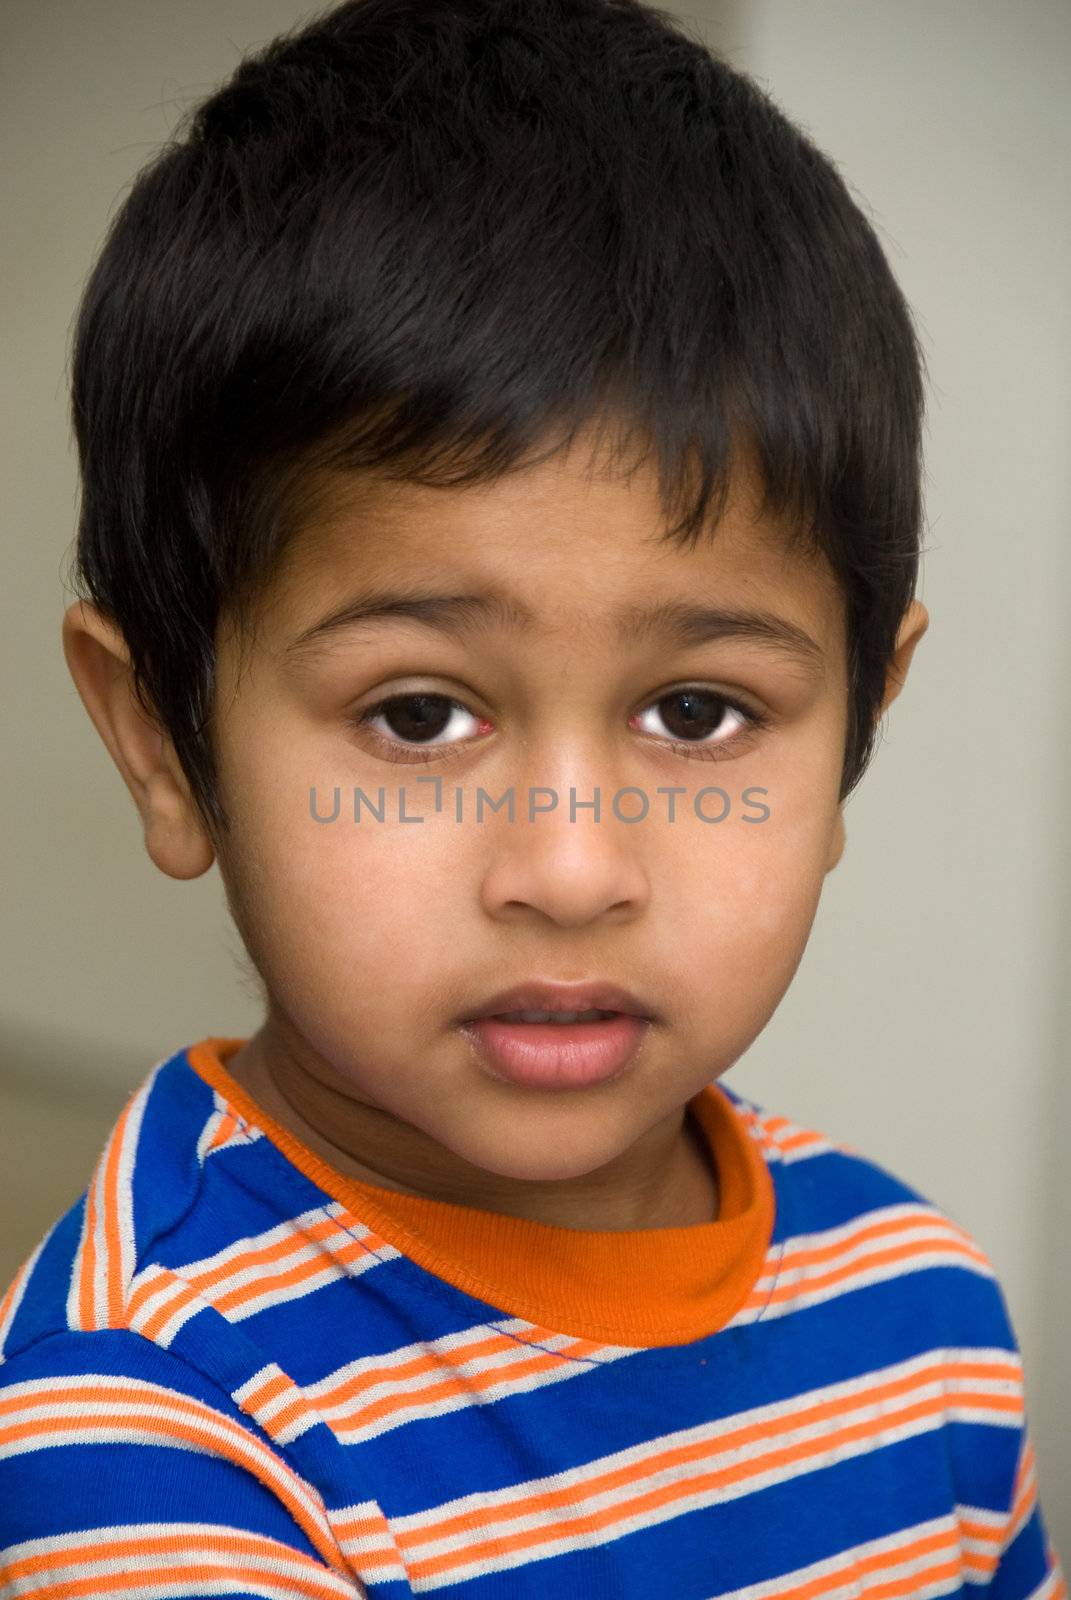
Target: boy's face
374, 939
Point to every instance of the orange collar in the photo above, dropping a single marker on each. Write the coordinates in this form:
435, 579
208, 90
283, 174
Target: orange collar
649, 1287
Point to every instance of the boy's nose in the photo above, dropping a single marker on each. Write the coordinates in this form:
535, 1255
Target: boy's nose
571, 872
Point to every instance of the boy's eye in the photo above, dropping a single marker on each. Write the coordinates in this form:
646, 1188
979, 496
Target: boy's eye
417, 717
700, 722
694, 716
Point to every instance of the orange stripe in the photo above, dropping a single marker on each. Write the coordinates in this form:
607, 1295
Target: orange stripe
860, 1567
979, 1530
86, 1296
248, 1259
772, 1126
263, 1255
879, 1230
281, 1420
417, 1366
225, 1128
148, 1288
118, 1583
196, 1285
855, 1269
172, 1304
314, 1267
447, 1389
12, 1290
930, 1544
268, 1390
228, 1542
297, 1407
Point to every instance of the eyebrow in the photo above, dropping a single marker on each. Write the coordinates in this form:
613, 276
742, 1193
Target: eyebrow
677, 622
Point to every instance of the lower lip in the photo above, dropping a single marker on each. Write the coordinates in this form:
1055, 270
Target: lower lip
557, 1055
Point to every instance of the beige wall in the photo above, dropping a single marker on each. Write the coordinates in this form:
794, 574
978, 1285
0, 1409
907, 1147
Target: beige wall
927, 1023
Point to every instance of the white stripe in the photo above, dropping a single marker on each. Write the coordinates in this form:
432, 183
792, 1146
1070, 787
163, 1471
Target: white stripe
241, 1551
134, 1112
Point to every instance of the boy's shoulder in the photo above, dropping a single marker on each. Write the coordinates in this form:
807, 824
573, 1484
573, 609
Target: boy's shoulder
845, 1222
124, 1327
102, 1266
824, 1174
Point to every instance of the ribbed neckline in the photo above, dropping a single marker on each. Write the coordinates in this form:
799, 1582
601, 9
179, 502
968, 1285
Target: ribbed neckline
648, 1287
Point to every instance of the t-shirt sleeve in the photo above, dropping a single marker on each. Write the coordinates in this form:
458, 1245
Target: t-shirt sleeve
124, 1470
1028, 1567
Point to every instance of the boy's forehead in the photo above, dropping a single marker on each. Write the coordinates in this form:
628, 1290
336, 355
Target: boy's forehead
554, 546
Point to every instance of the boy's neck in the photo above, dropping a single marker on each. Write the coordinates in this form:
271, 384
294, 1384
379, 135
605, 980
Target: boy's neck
689, 1195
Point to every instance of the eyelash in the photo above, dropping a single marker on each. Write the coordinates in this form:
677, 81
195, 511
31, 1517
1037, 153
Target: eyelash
754, 722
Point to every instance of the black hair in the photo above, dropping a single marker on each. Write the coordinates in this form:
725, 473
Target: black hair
426, 237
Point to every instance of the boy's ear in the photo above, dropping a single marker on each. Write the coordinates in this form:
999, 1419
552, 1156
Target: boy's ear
837, 841
916, 620
99, 662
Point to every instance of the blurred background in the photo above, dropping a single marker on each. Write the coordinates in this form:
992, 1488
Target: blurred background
927, 1023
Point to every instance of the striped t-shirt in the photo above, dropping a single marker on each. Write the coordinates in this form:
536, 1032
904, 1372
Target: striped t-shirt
230, 1369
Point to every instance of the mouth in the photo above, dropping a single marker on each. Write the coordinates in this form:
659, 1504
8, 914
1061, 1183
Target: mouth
546, 1003
562, 1054
554, 1018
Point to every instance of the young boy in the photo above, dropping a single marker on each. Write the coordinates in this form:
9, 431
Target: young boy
391, 609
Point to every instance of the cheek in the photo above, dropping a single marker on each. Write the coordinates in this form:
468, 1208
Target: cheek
776, 896
334, 900
751, 902
747, 916
747, 928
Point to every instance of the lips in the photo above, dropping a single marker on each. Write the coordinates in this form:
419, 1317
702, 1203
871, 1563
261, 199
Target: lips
556, 1055
547, 995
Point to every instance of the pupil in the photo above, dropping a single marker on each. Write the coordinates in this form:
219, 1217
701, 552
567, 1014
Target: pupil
416, 716
696, 713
